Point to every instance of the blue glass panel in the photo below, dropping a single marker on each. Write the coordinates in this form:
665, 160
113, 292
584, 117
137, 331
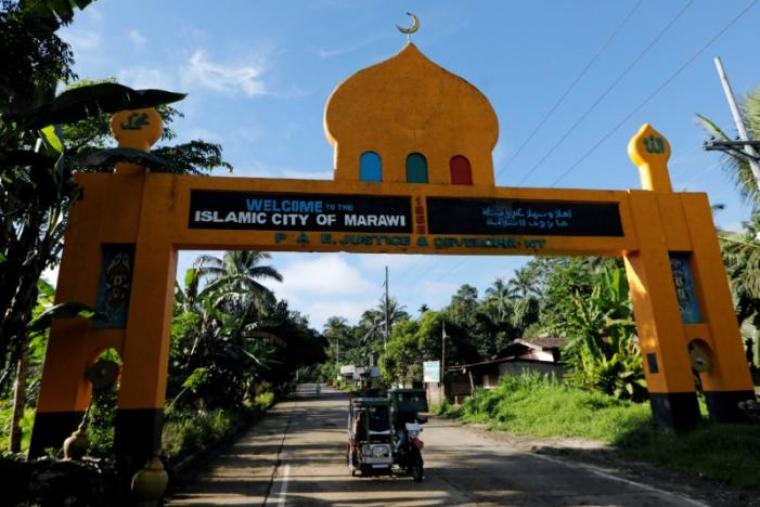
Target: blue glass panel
370, 167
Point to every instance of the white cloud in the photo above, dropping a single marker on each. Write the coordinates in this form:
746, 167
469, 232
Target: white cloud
323, 285
331, 53
137, 38
85, 35
323, 274
146, 77
82, 40
260, 170
437, 290
225, 78
393, 261
320, 311
208, 135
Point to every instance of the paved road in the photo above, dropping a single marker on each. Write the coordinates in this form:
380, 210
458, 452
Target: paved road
296, 456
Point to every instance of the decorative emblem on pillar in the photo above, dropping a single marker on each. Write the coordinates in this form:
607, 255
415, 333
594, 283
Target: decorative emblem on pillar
650, 151
115, 286
136, 129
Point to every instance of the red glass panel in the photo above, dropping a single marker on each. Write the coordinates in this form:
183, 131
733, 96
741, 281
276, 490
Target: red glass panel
461, 173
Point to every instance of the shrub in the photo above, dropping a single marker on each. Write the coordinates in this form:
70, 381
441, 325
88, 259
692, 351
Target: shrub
542, 406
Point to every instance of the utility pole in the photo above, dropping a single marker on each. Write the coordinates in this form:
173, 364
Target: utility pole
387, 316
443, 362
749, 150
337, 350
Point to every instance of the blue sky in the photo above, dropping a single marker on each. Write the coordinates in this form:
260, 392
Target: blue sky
258, 74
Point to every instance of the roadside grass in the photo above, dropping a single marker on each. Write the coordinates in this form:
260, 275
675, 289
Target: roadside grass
543, 407
186, 433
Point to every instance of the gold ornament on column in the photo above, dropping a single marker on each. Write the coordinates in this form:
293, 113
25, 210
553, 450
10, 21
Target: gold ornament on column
136, 129
650, 151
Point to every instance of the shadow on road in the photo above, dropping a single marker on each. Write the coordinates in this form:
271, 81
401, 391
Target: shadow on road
296, 456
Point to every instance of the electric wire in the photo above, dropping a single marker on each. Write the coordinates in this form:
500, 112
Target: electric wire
607, 91
572, 85
591, 108
656, 91
554, 107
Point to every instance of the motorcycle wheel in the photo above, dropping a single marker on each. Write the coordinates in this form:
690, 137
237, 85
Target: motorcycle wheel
415, 467
350, 462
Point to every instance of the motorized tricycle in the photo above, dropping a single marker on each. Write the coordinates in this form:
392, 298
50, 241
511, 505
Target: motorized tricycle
383, 433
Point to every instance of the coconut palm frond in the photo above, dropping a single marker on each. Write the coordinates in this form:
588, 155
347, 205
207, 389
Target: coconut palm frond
751, 112
736, 167
712, 128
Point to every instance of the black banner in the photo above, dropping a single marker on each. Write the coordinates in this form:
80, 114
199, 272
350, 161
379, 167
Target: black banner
511, 216
210, 209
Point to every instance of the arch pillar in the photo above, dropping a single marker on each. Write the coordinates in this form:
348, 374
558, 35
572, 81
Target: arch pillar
670, 383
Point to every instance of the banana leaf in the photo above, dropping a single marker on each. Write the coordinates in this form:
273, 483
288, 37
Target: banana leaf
86, 101
110, 156
61, 311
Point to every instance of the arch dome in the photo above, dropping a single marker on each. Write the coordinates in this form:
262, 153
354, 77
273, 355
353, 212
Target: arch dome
408, 104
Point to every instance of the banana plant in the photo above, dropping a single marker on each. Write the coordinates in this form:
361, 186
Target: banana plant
37, 189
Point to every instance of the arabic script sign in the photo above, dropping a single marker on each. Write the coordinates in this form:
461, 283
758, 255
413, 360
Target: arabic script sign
511, 216
299, 212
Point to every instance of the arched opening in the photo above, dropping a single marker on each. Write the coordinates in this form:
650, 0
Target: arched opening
461, 172
370, 167
416, 168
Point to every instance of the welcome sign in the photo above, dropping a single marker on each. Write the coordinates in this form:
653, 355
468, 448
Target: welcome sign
299, 212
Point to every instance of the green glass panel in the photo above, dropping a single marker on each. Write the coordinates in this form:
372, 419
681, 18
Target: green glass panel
416, 168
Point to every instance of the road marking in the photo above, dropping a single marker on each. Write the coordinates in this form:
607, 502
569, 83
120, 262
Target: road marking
284, 485
598, 471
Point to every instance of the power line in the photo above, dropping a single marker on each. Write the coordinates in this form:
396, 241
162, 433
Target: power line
570, 88
556, 105
644, 102
607, 91
656, 91
592, 107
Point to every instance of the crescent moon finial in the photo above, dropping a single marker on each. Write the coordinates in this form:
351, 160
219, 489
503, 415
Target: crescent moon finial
410, 30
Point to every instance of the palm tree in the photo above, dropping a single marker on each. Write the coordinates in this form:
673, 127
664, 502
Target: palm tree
499, 294
737, 164
188, 297
741, 250
523, 284
237, 273
335, 330
396, 311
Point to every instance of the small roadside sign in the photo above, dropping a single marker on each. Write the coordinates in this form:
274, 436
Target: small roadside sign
431, 371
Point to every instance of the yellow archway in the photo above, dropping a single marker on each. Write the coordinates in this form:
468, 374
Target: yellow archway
419, 121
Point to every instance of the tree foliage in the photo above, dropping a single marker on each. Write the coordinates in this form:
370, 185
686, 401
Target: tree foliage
230, 334
44, 141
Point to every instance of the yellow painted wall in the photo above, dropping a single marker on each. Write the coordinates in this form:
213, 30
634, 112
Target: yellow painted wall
409, 104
